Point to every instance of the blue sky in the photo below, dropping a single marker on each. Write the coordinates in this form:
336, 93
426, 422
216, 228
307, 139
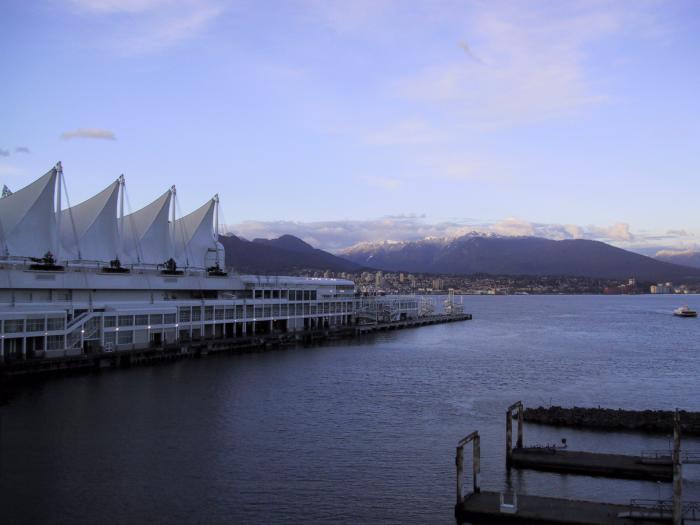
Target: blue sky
363, 120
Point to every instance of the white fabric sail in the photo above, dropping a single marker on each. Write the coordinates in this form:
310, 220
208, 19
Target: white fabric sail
194, 236
28, 219
146, 237
89, 229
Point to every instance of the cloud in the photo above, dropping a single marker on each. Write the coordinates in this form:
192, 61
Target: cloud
336, 235
532, 64
22, 149
4, 152
616, 232
147, 26
88, 133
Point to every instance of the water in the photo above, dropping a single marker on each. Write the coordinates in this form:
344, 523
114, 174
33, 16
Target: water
356, 432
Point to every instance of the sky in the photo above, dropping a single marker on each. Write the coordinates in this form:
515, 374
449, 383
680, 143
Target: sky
357, 120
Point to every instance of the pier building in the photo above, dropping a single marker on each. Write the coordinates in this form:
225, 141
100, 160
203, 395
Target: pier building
92, 279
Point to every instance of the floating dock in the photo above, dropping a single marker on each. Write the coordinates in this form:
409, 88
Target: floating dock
495, 507
486, 507
593, 464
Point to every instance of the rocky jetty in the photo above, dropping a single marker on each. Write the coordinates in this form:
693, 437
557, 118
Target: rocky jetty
611, 419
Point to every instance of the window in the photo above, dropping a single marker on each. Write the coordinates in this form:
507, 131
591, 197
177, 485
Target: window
141, 320
267, 312
169, 319
126, 320
276, 310
284, 294
184, 314
275, 294
219, 314
258, 311
249, 311
230, 313
56, 323
307, 295
110, 321
125, 338
54, 342
268, 294
14, 326
196, 313
239, 311
35, 325
258, 294
313, 295
156, 318
208, 313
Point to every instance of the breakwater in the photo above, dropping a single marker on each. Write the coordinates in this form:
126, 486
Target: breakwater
613, 419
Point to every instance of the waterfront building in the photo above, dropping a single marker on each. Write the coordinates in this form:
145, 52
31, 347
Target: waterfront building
661, 288
89, 278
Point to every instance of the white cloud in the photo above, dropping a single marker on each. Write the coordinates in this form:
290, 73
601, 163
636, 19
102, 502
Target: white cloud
147, 26
531, 63
336, 235
88, 133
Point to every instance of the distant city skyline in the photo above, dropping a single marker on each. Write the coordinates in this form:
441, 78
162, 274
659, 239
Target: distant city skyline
344, 122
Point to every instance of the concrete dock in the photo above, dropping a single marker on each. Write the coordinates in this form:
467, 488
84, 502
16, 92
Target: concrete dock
593, 464
485, 507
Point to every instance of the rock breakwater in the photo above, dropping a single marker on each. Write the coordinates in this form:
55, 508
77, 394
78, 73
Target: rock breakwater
611, 419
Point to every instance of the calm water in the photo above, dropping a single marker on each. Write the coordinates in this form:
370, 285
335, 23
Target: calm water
346, 433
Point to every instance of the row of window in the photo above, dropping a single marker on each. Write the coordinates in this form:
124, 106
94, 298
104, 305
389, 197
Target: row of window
187, 314
138, 320
291, 295
13, 326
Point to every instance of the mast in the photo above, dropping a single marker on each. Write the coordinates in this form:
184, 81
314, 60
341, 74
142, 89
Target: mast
122, 189
173, 193
216, 216
59, 170
216, 228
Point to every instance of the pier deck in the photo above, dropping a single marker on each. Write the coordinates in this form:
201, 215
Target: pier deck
484, 507
594, 464
203, 347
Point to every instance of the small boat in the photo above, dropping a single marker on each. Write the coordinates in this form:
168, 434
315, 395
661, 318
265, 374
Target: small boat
684, 311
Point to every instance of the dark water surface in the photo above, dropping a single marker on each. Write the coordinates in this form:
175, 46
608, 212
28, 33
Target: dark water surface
362, 431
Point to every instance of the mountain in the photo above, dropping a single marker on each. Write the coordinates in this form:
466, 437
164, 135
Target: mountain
686, 258
498, 255
283, 255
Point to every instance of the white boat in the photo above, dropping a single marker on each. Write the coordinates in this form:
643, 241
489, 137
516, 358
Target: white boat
685, 311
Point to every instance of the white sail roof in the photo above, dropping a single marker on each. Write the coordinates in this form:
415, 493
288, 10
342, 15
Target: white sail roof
89, 229
194, 236
146, 234
28, 219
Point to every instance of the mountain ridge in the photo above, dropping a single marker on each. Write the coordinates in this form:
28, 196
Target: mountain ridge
525, 255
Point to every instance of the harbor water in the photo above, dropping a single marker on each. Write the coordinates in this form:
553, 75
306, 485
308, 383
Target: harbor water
359, 431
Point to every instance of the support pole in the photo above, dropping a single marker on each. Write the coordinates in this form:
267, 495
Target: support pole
519, 443
509, 437
509, 430
476, 465
677, 471
459, 462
